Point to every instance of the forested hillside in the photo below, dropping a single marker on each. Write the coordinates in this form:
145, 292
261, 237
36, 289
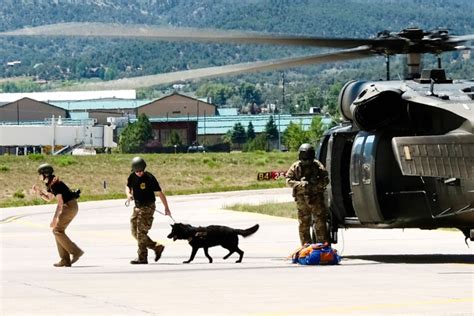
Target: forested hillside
73, 59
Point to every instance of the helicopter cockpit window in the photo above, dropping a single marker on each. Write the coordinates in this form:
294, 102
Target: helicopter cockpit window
367, 160
356, 160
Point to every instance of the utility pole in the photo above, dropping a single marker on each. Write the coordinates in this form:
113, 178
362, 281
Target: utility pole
282, 106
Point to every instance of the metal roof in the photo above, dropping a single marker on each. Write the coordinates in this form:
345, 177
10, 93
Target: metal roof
221, 124
227, 111
107, 104
69, 95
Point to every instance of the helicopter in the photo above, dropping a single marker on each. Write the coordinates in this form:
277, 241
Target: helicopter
403, 155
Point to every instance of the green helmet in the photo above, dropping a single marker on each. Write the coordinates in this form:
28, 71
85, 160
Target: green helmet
45, 169
138, 164
306, 152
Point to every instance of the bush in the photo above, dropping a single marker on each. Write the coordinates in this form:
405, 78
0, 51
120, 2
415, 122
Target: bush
19, 194
36, 157
64, 161
4, 168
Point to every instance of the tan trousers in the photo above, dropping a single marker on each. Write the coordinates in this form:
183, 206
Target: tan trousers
66, 247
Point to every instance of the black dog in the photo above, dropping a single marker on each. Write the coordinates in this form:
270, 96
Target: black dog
210, 236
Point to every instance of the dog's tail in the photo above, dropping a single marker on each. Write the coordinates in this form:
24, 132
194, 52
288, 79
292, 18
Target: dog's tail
248, 231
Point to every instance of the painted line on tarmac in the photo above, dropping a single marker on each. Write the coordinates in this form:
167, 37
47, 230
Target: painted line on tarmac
10, 219
14, 218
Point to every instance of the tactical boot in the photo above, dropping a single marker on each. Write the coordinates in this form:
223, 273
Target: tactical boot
76, 256
158, 250
138, 261
62, 263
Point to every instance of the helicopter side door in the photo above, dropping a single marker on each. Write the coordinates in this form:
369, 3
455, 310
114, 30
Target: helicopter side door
334, 152
362, 178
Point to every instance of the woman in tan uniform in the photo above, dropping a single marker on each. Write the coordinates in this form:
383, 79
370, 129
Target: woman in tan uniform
66, 210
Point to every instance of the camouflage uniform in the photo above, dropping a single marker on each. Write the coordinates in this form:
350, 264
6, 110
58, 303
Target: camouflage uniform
308, 183
140, 223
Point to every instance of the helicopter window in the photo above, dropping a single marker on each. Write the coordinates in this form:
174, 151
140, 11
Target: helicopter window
356, 160
362, 93
367, 160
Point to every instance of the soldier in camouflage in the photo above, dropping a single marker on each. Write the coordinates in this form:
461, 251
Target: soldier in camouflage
141, 187
309, 179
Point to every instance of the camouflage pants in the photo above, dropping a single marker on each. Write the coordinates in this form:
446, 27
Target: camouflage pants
312, 210
140, 224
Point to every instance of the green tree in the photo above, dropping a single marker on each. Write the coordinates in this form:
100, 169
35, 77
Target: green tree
174, 139
314, 97
271, 129
250, 131
294, 136
111, 73
238, 134
317, 129
250, 94
135, 135
227, 137
258, 143
331, 99
219, 93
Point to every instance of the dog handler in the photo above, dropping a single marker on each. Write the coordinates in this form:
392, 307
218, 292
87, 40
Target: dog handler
308, 178
66, 210
141, 187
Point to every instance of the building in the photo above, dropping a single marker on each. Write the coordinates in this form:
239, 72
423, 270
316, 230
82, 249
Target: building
177, 105
27, 110
210, 129
101, 109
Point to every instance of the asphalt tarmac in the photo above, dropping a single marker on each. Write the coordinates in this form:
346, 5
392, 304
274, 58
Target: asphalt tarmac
395, 272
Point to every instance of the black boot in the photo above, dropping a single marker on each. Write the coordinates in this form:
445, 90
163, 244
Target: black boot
138, 261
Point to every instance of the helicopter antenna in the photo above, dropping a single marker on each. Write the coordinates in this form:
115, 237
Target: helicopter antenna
387, 65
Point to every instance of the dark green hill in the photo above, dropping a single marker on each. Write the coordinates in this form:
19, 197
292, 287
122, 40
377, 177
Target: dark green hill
73, 59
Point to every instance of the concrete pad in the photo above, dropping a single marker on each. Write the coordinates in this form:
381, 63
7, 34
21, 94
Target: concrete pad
398, 272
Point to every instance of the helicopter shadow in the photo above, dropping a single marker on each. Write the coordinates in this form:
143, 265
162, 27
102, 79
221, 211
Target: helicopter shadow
416, 259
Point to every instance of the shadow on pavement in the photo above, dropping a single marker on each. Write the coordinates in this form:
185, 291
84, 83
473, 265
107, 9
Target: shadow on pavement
416, 259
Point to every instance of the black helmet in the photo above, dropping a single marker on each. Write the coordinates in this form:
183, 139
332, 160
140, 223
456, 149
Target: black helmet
46, 169
306, 152
138, 164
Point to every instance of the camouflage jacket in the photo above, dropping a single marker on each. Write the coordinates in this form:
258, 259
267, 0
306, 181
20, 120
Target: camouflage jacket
307, 180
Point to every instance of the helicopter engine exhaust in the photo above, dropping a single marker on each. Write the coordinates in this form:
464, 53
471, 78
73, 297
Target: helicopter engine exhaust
370, 106
348, 94
374, 108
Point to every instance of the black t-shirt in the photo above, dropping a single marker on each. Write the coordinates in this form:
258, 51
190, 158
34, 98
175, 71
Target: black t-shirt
59, 187
143, 187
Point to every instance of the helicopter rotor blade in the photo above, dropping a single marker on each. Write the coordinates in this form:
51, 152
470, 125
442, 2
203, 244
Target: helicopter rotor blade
180, 76
461, 38
181, 34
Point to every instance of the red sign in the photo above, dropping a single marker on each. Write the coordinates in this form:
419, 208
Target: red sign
270, 175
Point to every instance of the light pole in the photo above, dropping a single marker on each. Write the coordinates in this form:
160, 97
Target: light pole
282, 106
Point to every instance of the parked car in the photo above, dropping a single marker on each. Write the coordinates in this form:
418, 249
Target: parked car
196, 149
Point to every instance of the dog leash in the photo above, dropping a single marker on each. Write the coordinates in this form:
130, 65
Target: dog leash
127, 204
166, 215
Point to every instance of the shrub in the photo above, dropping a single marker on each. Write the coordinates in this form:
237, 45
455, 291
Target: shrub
36, 157
64, 161
4, 168
19, 194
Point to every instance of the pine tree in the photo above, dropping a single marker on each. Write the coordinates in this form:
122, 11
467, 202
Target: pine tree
271, 129
250, 131
238, 134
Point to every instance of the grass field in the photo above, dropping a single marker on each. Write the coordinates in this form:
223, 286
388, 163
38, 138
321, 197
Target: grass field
104, 176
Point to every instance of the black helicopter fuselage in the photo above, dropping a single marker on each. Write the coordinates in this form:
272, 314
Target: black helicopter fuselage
404, 158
